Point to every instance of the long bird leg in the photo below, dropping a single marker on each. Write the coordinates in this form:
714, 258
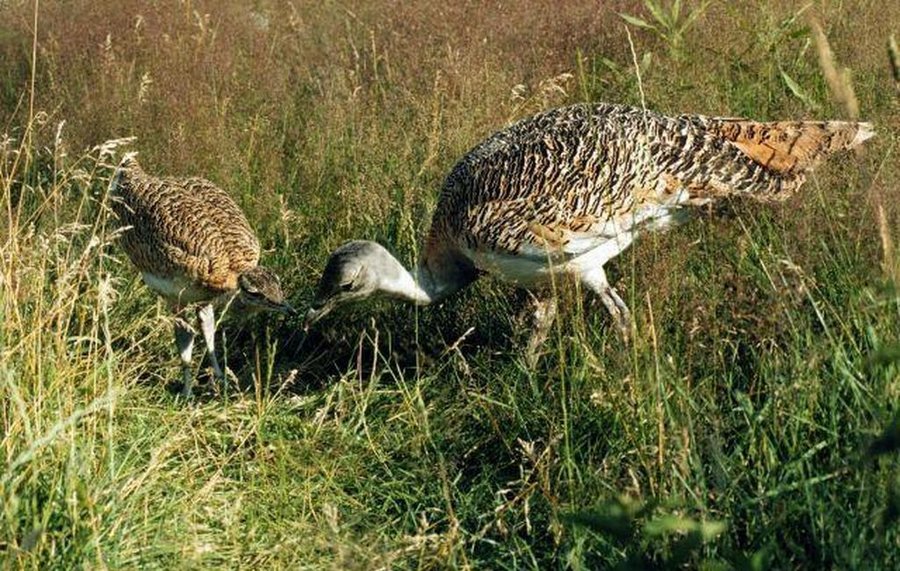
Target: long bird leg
184, 340
542, 319
208, 326
618, 309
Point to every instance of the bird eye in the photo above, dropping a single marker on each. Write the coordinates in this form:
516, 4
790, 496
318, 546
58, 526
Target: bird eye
347, 286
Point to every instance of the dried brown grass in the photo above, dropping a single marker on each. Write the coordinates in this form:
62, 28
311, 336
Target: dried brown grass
334, 121
838, 80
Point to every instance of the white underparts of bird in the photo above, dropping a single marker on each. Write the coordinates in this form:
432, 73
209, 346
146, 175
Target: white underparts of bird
195, 248
567, 190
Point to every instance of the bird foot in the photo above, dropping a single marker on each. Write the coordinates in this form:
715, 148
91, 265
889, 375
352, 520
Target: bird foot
625, 326
619, 311
615, 305
542, 319
186, 383
223, 379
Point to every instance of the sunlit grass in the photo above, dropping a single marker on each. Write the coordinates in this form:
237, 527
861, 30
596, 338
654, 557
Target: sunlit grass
733, 431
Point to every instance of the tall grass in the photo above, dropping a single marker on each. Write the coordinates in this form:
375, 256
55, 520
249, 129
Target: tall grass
731, 433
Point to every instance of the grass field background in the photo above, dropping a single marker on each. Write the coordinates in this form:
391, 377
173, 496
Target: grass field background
732, 433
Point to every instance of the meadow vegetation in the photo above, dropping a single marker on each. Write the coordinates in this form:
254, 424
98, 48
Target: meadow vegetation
732, 433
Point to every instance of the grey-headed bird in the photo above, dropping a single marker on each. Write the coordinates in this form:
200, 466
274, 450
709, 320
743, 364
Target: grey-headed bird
567, 190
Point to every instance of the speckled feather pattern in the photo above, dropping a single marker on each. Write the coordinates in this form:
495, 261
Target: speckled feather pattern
562, 193
183, 229
589, 168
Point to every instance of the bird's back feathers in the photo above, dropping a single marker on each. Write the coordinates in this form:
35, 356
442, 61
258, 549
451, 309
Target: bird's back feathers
187, 230
566, 180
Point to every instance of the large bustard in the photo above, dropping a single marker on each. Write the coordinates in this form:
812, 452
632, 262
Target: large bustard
194, 247
565, 191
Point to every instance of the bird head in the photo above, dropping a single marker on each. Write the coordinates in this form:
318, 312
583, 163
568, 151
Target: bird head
129, 160
357, 270
260, 288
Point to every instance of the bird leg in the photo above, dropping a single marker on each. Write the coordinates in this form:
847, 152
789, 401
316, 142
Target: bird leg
184, 341
618, 309
208, 326
541, 322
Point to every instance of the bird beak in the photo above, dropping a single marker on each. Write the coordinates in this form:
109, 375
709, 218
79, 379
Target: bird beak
315, 314
287, 309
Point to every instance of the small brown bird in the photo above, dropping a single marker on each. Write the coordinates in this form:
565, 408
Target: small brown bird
194, 247
565, 191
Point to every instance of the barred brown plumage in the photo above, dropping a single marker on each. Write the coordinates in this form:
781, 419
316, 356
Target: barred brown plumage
566, 190
192, 245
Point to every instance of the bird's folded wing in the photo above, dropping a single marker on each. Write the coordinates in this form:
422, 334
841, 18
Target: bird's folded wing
542, 235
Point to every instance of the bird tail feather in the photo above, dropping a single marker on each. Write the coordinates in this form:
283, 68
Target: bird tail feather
793, 147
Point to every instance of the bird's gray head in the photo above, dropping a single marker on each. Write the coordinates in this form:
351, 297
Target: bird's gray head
355, 271
261, 289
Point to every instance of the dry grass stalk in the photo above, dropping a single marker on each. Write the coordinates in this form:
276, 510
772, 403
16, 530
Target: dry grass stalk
838, 79
894, 58
889, 263
637, 69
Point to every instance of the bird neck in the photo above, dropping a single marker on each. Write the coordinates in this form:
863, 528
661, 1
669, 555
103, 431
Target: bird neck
433, 279
415, 287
